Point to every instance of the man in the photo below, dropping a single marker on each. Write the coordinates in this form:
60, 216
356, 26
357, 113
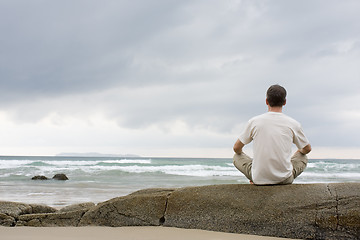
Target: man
273, 134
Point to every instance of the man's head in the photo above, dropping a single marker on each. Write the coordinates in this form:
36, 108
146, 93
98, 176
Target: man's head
276, 96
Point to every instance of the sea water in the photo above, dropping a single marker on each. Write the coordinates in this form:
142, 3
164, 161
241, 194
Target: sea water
97, 179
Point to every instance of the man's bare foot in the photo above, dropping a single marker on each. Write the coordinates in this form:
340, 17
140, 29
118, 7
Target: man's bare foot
251, 182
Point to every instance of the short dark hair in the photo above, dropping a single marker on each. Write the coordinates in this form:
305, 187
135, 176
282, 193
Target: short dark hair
276, 96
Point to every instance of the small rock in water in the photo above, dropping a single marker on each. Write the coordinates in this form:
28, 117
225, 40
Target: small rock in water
60, 176
38, 177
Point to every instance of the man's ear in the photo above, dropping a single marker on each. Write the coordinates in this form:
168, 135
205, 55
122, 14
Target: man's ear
284, 103
267, 102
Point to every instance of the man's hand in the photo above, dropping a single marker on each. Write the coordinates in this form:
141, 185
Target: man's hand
305, 150
238, 146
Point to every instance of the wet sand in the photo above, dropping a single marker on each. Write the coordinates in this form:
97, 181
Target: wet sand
128, 233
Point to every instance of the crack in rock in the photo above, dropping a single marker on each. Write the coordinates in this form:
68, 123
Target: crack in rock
337, 205
78, 223
162, 219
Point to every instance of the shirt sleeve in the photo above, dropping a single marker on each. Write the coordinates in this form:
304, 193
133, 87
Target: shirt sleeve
300, 139
246, 135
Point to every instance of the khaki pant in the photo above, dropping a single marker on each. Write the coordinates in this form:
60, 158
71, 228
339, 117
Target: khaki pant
244, 163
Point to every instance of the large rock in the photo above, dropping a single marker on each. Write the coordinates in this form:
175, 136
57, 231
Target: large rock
308, 211
311, 211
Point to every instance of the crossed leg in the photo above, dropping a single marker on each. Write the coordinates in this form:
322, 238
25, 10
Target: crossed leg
244, 163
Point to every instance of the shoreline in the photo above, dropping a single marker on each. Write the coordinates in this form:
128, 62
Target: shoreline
100, 179
115, 233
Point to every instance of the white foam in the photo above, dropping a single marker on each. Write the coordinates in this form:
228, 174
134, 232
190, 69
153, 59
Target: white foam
140, 161
40, 194
4, 164
354, 175
185, 170
332, 167
71, 163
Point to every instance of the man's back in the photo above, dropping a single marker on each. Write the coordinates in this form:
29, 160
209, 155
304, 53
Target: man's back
273, 134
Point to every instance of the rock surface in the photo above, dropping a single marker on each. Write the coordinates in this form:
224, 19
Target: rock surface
302, 211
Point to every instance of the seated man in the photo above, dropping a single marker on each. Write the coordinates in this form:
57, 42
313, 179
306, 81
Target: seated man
273, 134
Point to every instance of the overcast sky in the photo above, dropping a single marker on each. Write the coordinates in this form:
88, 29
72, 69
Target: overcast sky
174, 78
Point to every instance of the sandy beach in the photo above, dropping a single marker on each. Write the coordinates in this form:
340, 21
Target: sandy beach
108, 233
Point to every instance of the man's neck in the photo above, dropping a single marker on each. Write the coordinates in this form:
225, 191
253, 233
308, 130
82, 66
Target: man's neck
275, 109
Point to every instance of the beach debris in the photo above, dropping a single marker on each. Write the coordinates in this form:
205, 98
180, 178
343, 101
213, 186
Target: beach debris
60, 176
39, 177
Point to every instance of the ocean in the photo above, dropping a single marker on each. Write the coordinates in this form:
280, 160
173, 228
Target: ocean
97, 179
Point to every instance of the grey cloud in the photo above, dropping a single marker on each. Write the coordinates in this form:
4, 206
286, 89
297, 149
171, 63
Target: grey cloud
60, 47
208, 64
